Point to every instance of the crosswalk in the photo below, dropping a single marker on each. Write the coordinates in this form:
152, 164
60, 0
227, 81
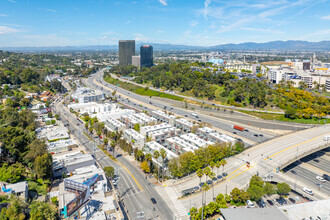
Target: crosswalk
173, 195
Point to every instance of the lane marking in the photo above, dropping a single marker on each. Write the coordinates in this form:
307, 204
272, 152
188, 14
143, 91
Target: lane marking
137, 183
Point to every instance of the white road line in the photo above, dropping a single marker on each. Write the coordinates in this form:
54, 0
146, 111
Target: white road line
177, 204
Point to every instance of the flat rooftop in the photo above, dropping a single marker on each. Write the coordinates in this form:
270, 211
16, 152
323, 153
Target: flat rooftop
253, 214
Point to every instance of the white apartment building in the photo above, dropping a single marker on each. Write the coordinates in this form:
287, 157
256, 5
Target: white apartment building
92, 107
220, 138
147, 129
195, 140
178, 145
84, 95
183, 124
130, 121
145, 118
327, 85
116, 114
134, 137
52, 133
160, 135
114, 125
163, 117
152, 146
204, 132
275, 76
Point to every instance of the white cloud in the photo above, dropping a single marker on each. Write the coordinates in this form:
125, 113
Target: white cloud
47, 9
326, 17
3, 15
163, 2
206, 10
140, 37
193, 23
12, 1
7, 30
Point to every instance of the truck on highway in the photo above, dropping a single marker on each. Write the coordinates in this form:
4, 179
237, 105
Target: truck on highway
238, 127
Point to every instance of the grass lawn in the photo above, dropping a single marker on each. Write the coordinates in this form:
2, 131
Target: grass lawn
279, 117
141, 90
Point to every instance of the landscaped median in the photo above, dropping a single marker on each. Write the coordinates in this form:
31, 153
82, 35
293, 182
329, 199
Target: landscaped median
145, 91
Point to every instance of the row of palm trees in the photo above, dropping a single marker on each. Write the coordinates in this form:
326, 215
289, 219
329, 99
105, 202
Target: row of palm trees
208, 172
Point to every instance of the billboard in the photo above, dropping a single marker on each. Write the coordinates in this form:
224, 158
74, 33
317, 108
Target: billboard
77, 202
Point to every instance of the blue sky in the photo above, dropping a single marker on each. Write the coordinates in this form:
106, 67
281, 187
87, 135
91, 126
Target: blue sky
189, 22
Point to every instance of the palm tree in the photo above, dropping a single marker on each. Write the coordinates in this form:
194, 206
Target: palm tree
156, 156
205, 188
163, 154
212, 165
218, 165
223, 162
113, 145
200, 174
148, 158
212, 175
207, 172
86, 126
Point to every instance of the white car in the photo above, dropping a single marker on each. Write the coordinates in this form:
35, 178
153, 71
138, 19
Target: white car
249, 204
319, 178
308, 191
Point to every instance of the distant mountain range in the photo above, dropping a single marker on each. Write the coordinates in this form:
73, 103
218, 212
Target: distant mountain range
272, 45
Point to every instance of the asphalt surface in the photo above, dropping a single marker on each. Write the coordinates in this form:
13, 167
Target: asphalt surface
309, 178
252, 134
318, 159
135, 191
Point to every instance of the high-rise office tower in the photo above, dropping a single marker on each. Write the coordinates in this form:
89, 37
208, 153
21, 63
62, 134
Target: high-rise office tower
126, 51
146, 56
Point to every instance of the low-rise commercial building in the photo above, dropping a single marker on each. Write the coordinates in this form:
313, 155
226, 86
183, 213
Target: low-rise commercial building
134, 137
69, 162
60, 145
52, 133
116, 114
92, 107
85, 94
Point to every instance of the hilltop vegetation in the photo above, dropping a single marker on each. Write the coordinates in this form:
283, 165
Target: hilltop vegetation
223, 87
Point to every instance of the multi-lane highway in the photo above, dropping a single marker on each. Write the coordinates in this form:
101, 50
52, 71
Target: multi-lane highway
149, 104
134, 189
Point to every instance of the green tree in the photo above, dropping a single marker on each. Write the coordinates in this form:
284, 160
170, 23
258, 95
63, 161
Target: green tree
269, 188
200, 174
283, 188
43, 211
256, 180
43, 165
255, 192
109, 172
137, 127
113, 145
15, 211
36, 148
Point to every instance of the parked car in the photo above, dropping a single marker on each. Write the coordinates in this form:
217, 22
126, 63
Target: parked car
283, 200
261, 203
219, 177
279, 201
292, 200
308, 191
270, 202
209, 182
250, 204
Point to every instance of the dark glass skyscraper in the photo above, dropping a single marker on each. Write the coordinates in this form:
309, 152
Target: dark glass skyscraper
146, 53
126, 51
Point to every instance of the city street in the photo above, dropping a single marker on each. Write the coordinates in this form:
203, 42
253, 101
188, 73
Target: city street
135, 191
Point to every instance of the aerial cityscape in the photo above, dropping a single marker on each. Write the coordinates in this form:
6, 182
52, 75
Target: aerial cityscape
159, 109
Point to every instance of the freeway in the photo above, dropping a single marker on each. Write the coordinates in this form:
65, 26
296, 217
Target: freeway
308, 177
135, 191
264, 159
131, 99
